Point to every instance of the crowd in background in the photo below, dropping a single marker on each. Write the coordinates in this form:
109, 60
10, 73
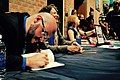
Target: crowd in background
108, 21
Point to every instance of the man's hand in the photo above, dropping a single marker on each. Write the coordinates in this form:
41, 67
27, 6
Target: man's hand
75, 49
37, 61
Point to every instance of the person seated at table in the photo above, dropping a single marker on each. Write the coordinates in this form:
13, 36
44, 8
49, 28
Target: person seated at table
57, 41
15, 27
83, 22
90, 20
74, 32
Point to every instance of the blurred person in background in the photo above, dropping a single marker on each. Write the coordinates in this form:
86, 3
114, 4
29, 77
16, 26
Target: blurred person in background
83, 22
113, 20
90, 20
74, 32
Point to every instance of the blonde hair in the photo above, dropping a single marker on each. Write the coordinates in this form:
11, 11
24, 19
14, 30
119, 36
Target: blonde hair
71, 18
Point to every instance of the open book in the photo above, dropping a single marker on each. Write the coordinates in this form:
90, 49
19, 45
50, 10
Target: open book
51, 58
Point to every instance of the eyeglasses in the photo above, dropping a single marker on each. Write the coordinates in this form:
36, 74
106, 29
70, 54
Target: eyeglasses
44, 33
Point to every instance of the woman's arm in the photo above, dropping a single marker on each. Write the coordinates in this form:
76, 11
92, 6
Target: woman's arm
71, 35
81, 32
88, 33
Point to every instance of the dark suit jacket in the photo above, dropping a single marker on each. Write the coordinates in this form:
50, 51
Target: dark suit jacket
13, 32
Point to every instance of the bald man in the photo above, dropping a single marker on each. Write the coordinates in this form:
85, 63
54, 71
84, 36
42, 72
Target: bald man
15, 28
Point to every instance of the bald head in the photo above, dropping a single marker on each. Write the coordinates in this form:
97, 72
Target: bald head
49, 22
39, 27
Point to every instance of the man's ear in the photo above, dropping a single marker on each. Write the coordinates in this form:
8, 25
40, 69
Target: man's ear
38, 18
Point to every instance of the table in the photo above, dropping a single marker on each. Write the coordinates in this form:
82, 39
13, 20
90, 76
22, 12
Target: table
93, 64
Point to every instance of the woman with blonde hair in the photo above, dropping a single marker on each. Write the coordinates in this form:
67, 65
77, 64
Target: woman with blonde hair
74, 32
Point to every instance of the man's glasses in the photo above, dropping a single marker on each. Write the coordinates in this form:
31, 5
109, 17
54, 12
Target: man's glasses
44, 33
43, 38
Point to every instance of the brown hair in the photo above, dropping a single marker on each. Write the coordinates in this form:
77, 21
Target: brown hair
48, 8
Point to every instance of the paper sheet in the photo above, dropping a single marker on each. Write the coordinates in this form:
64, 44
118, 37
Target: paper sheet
109, 47
51, 58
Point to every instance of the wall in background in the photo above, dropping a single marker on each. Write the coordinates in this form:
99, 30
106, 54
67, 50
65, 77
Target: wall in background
30, 6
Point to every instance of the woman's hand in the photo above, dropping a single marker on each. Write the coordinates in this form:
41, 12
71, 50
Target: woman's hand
75, 48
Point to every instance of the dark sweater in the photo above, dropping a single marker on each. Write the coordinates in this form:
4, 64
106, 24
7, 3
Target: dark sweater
13, 32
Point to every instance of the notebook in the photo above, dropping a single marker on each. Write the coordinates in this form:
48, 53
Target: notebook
52, 63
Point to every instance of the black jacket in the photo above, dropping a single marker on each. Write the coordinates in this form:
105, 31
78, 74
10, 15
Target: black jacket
13, 32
